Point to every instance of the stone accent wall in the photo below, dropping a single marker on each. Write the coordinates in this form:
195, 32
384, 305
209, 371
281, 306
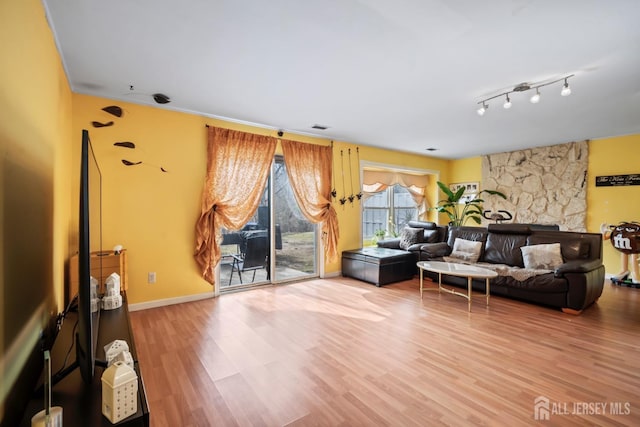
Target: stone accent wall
544, 185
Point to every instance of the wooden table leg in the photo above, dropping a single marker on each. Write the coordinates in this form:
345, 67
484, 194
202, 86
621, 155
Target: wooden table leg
469, 291
487, 290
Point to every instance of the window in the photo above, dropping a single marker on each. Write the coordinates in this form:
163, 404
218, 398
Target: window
386, 213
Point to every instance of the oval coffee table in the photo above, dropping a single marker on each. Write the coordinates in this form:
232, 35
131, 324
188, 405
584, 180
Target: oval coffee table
453, 269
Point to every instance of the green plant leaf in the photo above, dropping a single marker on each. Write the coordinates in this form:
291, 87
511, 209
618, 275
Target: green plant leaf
459, 213
445, 190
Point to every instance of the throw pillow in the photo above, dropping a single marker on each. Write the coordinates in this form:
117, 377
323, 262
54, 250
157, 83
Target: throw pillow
410, 236
466, 250
545, 257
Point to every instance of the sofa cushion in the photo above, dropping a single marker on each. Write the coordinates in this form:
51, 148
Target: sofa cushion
476, 234
547, 256
434, 250
466, 250
431, 236
504, 249
410, 236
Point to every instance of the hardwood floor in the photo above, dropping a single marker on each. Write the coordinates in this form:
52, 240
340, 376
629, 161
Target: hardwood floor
340, 352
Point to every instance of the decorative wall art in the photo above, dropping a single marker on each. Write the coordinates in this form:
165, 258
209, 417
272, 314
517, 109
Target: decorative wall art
470, 190
116, 111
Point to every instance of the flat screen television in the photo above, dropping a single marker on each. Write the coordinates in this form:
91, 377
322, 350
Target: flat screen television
90, 240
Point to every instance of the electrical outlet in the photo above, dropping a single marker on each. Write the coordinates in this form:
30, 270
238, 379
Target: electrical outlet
151, 277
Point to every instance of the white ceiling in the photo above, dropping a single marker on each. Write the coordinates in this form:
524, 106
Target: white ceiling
400, 74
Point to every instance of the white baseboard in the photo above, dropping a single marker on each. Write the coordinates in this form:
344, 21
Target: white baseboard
169, 301
190, 298
334, 274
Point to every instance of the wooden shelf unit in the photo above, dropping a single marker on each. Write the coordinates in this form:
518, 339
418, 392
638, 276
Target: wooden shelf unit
102, 265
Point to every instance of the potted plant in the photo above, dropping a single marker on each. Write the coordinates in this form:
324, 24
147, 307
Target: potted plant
378, 235
460, 209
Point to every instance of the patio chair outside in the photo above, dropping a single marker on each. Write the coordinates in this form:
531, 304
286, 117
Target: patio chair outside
255, 257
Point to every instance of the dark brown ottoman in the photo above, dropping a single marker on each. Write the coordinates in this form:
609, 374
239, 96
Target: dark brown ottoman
379, 266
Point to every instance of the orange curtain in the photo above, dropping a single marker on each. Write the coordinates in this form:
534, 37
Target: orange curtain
309, 170
238, 165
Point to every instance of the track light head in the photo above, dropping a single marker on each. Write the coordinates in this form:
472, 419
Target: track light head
566, 90
507, 103
535, 98
482, 109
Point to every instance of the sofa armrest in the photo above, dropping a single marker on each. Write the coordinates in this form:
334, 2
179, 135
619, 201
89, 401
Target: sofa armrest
577, 266
389, 243
415, 247
434, 250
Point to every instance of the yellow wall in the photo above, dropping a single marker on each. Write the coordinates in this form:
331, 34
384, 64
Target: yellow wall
466, 170
153, 214
35, 125
611, 205
35, 111
463, 170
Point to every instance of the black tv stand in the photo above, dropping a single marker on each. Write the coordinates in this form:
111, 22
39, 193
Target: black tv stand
81, 402
60, 375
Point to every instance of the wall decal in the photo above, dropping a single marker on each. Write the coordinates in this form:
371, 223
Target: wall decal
125, 144
334, 193
359, 195
351, 196
101, 125
114, 110
130, 163
343, 199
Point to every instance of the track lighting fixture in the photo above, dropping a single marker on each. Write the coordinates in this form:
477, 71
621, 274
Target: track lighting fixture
523, 87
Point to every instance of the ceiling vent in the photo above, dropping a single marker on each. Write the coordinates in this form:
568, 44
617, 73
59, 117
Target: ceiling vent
320, 127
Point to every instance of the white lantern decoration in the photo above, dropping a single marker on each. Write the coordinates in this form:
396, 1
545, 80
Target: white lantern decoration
112, 298
119, 392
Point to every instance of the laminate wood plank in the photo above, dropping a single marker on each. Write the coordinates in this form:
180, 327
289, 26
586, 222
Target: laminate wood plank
339, 352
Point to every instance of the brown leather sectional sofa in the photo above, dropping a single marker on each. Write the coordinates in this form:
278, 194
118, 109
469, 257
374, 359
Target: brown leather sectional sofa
572, 287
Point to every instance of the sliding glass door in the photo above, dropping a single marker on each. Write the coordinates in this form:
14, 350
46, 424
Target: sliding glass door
290, 239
